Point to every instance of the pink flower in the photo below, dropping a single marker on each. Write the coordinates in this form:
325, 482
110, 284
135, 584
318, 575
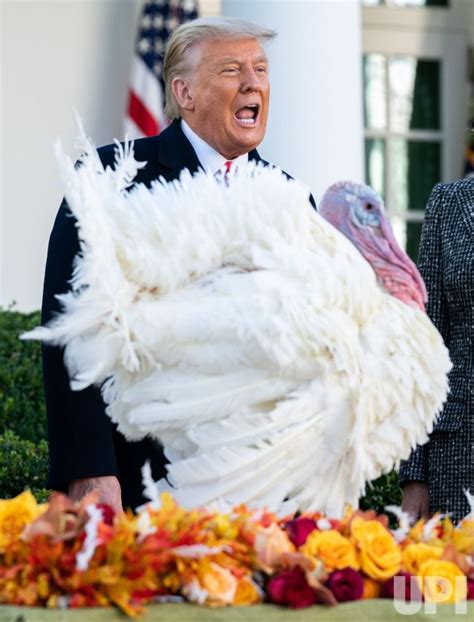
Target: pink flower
270, 544
299, 529
410, 591
346, 584
290, 588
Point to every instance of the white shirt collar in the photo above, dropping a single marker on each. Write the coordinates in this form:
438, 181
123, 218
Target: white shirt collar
209, 158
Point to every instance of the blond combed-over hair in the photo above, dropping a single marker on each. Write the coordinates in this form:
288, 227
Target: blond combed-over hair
185, 37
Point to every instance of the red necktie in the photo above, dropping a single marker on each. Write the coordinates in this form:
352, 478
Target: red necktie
228, 166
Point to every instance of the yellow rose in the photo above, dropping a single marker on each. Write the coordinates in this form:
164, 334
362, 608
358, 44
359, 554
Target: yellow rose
332, 549
415, 554
379, 555
219, 583
15, 514
418, 532
270, 544
247, 592
224, 528
463, 537
442, 581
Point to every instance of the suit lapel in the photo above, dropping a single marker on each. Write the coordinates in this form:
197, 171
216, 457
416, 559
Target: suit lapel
176, 152
466, 205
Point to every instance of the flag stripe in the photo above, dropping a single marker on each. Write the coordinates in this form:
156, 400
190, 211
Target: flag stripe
147, 88
142, 116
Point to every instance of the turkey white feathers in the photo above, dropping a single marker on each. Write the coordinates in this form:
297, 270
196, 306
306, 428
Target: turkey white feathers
234, 324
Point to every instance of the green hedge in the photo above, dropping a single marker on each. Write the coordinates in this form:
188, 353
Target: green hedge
382, 492
23, 464
22, 408
23, 450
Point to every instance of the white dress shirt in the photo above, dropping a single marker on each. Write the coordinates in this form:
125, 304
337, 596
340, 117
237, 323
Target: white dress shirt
209, 158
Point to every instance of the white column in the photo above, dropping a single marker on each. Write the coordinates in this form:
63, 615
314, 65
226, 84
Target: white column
315, 129
54, 57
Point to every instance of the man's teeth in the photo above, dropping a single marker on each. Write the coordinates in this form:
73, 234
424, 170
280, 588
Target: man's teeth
247, 115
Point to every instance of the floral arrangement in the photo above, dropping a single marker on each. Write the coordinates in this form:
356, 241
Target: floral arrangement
65, 554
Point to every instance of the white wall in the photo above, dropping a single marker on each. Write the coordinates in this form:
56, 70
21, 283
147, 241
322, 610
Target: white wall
315, 125
55, 56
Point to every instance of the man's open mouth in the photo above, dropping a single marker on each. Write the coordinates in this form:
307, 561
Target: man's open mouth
248, 115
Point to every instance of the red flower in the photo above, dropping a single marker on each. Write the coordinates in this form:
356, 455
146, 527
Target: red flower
108, 513
470, 590
299, 529
144, 594
411, 591
346, 584
291, 588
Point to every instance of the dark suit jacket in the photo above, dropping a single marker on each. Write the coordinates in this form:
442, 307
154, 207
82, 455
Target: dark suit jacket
83, 442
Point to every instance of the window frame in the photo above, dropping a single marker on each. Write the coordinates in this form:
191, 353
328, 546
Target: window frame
425, 33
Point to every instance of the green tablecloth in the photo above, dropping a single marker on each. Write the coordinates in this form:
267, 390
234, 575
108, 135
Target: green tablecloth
362, 611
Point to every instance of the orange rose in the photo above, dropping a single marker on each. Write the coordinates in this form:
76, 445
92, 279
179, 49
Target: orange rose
334, 550
415, 554
270, 544
219, 583
379, 555
442, 581
247, 592
372, 589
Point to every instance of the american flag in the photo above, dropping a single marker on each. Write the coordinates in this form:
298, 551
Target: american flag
145, 110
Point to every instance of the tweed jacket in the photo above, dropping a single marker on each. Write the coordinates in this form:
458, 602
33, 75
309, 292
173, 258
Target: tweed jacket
446, 263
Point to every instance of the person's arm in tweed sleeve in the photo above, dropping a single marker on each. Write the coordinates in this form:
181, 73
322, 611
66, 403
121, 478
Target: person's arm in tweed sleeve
430, 265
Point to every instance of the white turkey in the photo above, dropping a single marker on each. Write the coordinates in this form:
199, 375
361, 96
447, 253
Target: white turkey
238, 327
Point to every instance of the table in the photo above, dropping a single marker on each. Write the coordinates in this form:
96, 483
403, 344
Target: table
360, 611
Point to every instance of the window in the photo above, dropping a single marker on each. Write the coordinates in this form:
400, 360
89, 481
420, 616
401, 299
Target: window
407, 3
403, 137
415, 104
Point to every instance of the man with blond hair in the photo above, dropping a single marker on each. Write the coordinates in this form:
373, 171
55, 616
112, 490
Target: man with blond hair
217, 96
